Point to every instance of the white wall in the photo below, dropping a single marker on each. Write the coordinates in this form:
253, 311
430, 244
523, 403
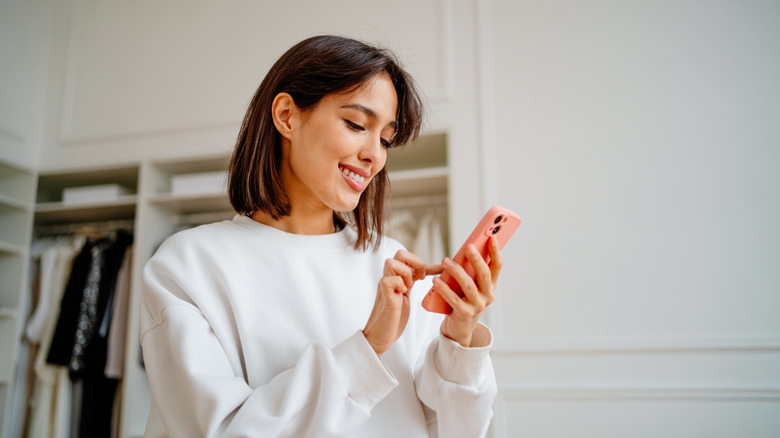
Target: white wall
25, 34
639, 141
150, 78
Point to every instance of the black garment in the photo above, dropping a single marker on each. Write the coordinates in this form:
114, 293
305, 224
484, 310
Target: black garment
95, 354
99, 391
62, 340
89, 309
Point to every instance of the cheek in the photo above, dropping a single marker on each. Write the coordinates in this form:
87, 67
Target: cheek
381, 159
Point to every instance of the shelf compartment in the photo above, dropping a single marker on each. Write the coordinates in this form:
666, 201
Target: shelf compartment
11, 248
9, 203
16, 184
428, 151
49, 213
50, 185
14, 225
416, 182
188, 204
11, 269
8, 329
162, 172
8, 313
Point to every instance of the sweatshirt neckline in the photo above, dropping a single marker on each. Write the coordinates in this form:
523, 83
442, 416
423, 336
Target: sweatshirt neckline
343, 238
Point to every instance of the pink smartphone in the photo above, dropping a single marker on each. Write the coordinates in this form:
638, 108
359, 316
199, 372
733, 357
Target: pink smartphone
499, 222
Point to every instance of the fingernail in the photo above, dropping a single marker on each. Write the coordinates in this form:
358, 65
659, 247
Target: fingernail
447, 262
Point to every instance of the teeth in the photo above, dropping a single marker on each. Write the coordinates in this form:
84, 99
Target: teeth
353, 175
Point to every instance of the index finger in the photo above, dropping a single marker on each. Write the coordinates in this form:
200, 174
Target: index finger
421, 269
433, 269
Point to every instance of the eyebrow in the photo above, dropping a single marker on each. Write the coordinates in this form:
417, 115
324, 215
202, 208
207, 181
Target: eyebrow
369, 112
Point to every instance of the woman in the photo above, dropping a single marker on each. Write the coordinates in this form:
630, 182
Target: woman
268, 325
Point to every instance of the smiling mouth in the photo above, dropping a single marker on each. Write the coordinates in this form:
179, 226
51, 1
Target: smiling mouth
352, 175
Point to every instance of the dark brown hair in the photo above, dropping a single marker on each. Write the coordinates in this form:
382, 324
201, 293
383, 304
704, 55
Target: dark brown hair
309, 71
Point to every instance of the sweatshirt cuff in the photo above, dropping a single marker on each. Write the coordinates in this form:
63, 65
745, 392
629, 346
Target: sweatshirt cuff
464, 366
368, 379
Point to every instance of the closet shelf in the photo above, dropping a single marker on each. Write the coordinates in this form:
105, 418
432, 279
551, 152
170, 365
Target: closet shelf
10, 248
415, 182
58, 212
8, 203
8, 313
191, 203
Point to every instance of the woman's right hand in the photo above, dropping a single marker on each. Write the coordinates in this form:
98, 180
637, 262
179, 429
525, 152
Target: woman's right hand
391, 308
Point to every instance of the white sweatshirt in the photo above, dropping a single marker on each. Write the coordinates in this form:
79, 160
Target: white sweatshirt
248, 331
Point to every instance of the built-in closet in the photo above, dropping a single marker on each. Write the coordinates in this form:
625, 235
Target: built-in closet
17, 196
153, 210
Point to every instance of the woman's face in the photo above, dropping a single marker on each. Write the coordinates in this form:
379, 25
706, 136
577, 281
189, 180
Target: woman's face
335, 149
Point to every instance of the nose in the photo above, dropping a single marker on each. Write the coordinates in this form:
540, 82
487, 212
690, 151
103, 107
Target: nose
373, 152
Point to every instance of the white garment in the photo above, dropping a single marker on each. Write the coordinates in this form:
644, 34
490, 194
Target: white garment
115, 356
402, 227
250, 331
50, 406
429, 243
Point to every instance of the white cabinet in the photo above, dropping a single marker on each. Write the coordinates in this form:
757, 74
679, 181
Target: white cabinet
418, 174
17, 189
51, 210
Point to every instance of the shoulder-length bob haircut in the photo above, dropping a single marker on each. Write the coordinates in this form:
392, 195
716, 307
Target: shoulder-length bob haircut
309, 71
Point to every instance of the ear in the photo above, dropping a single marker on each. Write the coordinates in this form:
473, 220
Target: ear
283, 110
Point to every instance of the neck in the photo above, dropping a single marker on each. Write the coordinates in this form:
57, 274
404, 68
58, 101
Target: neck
300, 223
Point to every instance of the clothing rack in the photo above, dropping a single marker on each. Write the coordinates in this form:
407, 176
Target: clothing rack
84, 228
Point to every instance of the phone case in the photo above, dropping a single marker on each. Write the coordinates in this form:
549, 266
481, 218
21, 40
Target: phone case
498, 221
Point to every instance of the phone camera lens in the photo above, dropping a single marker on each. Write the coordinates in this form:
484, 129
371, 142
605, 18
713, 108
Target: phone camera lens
495, 230
498, 219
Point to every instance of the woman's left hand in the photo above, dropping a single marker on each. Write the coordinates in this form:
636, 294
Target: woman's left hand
460, 325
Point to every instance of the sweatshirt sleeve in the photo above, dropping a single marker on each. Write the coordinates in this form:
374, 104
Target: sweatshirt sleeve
329, 392
457, 385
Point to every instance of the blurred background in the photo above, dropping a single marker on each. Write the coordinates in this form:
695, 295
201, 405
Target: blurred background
638, 140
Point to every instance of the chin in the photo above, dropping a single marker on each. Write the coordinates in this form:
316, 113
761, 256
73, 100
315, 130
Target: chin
345, 206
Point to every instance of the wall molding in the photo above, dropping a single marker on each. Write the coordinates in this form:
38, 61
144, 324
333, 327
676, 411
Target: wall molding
445, 90
66, 135
442, 92
509, 393
637, 345
594, 394
486, 106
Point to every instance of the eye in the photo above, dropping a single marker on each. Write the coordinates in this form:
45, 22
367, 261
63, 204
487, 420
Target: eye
354, 126
386, 143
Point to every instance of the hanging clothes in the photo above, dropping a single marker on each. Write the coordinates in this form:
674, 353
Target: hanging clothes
80, 340
429, 243
50, 406
99, 390
402, 227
